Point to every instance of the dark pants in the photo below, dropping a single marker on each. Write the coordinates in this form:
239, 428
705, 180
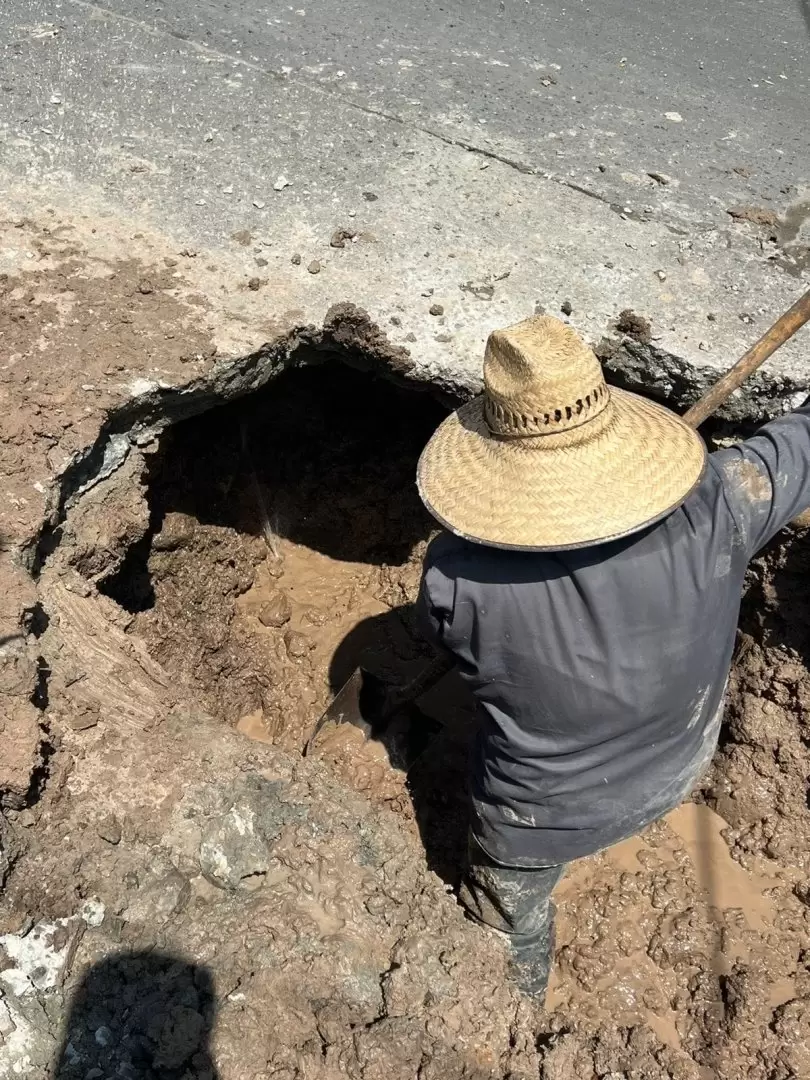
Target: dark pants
518, 903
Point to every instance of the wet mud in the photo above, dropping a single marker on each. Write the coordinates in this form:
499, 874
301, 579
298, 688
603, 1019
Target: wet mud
284, 547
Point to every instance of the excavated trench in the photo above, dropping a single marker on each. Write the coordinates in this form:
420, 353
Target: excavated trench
282, 546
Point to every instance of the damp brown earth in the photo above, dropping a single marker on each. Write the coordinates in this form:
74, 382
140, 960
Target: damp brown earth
295, 918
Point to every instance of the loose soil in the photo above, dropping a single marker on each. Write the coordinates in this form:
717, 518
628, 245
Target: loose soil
186, 897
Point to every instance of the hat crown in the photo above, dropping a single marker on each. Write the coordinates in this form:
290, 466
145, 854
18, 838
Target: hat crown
540, 379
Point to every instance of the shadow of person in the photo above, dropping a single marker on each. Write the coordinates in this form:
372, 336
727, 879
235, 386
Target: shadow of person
139, 1016
390, 647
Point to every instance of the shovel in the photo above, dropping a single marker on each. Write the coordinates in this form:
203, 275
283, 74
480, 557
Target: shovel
386, 712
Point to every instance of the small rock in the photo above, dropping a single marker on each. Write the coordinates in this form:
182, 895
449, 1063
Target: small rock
281, 183
410, 337
661, 275
110, 830
261, 262
93, 911
259, 204
170, 262
296, 260
254, 284
436, 309
711, 317
298, 644
675, 117
369, 196
635, 326
103, 1036
276, 610
746, 317
314, 267
145, 286
566, 307
660, 178
84, 717
395, 320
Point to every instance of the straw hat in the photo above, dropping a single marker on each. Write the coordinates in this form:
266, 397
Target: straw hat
550, 457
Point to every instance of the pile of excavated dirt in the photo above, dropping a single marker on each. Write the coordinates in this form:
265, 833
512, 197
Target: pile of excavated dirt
185, 897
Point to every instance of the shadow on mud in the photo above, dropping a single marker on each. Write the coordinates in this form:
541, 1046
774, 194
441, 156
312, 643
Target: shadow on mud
438, 782
140, 1015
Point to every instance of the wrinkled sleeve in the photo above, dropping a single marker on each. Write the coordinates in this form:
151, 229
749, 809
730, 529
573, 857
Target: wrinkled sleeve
767, 478
434, 603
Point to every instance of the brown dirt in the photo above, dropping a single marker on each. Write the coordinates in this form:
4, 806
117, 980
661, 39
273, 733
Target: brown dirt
219, 906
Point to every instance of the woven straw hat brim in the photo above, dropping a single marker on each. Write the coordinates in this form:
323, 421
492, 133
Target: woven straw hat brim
531, 494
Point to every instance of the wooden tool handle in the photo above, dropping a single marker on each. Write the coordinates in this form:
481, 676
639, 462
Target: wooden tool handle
782, 330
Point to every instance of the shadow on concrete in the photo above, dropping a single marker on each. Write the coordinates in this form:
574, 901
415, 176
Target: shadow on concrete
140, 1015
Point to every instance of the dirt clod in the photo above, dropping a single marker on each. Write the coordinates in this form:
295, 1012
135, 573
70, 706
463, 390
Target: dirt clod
755, 215
276, 610
340, 237
635, 326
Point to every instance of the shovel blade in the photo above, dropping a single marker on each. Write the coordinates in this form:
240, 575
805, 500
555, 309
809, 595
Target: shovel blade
345, 708
368, 703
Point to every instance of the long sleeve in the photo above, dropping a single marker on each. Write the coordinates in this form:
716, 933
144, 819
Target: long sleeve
767, 478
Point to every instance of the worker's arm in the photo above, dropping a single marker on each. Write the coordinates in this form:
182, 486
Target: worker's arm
434, 605
767, 477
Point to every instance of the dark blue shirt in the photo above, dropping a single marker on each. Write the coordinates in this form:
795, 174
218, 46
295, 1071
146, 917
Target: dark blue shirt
599, 672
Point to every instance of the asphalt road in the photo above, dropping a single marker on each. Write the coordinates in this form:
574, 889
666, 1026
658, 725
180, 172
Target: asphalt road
596, 93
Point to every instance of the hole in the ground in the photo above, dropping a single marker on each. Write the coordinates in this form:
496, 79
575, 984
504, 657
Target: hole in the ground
285, 548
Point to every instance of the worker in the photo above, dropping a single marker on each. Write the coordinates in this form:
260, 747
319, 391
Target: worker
587, 587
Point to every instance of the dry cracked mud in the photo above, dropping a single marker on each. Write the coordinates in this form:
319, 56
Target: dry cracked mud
185, 895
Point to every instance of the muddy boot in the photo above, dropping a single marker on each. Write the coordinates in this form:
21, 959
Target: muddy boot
516, 902
531, 959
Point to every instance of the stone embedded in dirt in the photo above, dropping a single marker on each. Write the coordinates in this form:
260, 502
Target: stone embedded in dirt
276, 611
110, 830
369, 196
254, 284
297, 644
436, 309
756, 215
145, 287
176, 531
83, 716
314, 267
243, 237
635, 326
235, 845
660, 178
296, 260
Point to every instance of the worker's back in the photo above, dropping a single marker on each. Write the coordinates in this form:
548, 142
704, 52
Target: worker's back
600, 672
